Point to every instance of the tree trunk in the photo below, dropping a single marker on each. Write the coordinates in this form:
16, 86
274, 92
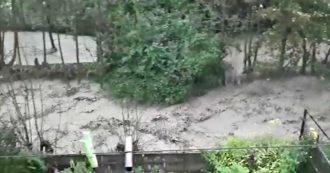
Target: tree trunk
16, 50
326, 58
313, 60
246, 54
50, 30
99, 50
2, 49
255, 54
98, 31
76, 33
305, 56
250, 52
60, 49
52, 40
77, 48
248, 45
44, 46
283, 50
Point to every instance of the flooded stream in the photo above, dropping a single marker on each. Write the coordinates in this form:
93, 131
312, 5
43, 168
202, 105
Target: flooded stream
31, 47
263, 107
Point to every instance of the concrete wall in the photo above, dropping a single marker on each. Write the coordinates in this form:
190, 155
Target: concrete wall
172, 162
114, 163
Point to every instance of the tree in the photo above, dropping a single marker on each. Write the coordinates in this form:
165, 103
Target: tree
48, 14
301, 18
159, 54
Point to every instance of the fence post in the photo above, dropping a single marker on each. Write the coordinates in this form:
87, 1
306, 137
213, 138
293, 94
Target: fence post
129, 154
303, 124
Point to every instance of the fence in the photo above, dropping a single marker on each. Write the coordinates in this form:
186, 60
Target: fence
114, 163
319, 159
192, 161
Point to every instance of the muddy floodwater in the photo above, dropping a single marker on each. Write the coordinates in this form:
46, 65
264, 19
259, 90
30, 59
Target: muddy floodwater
263, 107
31, 47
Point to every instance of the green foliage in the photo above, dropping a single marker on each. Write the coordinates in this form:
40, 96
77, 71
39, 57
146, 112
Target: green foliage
79, 167
235, 168
160, 53
22, 164
259, 160
12, 160
303, 19
141, 170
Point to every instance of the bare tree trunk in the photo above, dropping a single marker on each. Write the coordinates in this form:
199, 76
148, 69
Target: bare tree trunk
250, 50
50, 30
52, 40
98, 31
44, 46
16, 50
15, 15
313, 60
2, 49
76, 33
256, 51
19, 53
248, 45
60, 48
77, 52
305, 56
283, 50
21, 120
35, 117
77, 47
246, 54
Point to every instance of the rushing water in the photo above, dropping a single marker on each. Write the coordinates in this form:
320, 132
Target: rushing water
31, 47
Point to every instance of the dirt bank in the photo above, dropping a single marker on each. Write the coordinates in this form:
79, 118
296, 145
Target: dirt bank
259, 108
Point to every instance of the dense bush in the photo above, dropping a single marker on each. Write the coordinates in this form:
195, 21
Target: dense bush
258, 160
21, 164
79, 167
12, 160
161, 53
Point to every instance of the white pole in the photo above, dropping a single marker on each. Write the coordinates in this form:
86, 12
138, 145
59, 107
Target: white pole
129, 154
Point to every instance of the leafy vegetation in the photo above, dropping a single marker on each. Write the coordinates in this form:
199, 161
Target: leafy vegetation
141, 170
22, 164
12, 158
159, 53
299, 27
259, 160
79, 167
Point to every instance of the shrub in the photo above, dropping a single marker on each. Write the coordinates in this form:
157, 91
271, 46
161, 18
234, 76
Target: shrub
12, 159
161, 54
259, 160
22, 164
79, 167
